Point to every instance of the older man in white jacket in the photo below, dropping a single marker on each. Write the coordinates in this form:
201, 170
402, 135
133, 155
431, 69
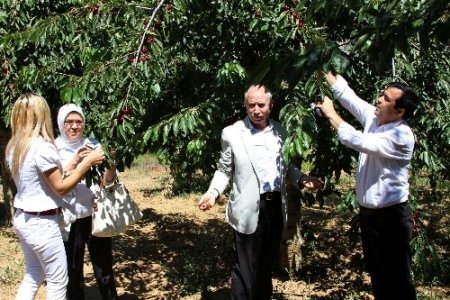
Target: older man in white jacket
251, 157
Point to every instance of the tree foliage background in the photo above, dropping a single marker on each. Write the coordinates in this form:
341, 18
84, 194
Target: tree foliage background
167, 76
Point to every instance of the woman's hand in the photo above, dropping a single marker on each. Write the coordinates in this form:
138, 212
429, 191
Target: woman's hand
95, 157
81, 153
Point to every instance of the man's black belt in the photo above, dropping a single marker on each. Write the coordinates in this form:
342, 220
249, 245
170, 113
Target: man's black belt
374, 211
270, 196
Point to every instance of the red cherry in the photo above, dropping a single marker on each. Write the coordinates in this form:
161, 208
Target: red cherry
150, 40
168, 7
143, 57
144, 49
11, 86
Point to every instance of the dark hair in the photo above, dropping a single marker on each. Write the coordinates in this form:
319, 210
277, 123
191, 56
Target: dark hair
408, 100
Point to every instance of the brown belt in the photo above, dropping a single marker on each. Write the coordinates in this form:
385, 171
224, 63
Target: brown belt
50, 212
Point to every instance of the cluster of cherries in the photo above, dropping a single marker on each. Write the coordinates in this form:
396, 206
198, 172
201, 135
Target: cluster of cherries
5, 69
145, 49
121, 117
94, 9
298, 20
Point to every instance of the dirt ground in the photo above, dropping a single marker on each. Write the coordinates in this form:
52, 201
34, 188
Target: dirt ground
179, 252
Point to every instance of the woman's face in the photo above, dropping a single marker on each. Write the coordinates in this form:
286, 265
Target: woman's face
73, 126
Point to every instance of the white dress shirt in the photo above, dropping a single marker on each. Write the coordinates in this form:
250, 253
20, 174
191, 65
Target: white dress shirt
385, 151
267, 150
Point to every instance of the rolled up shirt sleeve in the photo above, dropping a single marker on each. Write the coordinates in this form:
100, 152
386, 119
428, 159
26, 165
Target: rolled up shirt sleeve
388, 144
359, 108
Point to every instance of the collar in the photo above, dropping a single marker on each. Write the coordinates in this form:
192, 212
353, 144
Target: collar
391, 124
63, 144
253, 129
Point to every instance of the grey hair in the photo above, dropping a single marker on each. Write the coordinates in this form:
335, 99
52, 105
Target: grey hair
266, 91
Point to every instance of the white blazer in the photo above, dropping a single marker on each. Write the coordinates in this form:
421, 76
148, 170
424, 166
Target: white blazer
237, 163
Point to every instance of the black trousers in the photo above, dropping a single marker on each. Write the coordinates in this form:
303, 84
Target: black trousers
100, 253
386, 235
256, 253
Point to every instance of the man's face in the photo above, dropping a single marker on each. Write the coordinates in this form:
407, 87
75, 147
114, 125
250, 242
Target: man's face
258, 106
385, 110
73, 126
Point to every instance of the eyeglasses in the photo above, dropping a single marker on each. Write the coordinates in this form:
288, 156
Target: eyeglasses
71, 122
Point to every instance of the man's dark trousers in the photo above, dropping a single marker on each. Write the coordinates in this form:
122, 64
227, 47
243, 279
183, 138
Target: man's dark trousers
386, 233
256, 253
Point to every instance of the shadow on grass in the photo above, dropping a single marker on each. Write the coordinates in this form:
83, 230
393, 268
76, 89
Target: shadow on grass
185, 257
433, 220
332, 255
151, 192
5, 215
182, 257
193, 256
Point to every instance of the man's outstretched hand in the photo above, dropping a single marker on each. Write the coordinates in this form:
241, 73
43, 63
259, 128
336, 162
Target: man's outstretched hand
310, 182
206, 201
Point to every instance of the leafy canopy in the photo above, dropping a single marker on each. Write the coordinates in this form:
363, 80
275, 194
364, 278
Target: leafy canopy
167, 76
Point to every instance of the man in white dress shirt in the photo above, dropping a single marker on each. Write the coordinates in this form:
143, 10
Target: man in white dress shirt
251, 158
386, 146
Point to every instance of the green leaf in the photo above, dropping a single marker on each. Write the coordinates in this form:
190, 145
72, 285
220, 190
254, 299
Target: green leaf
339, 62
166, 131
175, 126
66, 94
299, 145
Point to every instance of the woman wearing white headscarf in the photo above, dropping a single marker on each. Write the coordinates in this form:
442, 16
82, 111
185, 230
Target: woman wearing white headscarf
73, 147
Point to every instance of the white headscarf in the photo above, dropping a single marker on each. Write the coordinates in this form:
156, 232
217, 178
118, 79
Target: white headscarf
63, 112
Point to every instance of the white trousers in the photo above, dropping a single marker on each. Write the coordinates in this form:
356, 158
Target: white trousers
45, 256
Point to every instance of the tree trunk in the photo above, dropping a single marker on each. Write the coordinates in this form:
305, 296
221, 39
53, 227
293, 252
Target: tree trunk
290, 254
8, 187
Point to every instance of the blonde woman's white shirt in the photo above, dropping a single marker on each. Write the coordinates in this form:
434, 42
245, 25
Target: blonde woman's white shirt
33, 191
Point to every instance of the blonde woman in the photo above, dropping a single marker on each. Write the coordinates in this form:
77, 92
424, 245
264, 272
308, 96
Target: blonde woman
35, 167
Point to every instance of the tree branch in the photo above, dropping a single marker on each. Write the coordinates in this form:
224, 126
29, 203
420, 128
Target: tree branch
138, 52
